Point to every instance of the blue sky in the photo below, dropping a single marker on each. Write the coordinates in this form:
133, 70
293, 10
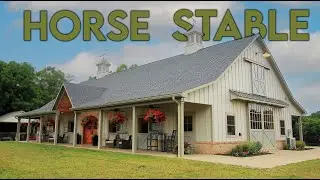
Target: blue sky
78, 57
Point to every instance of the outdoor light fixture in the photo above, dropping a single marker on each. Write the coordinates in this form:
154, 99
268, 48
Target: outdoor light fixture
264, 54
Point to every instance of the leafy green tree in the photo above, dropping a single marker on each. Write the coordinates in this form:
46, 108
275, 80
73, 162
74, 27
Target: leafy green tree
49, 81
17, 87
122, 67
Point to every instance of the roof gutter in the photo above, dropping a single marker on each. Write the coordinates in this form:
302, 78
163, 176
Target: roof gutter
131, 101
25, 115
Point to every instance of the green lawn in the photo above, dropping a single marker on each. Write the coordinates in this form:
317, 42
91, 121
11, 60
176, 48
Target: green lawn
22, 160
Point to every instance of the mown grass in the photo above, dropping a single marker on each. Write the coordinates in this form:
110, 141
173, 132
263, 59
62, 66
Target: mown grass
25, 160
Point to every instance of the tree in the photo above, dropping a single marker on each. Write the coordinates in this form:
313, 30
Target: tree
17, 87
122, 67
49, 81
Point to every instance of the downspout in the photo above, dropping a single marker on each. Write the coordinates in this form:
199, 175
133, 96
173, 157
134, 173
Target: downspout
178, 103
174, 99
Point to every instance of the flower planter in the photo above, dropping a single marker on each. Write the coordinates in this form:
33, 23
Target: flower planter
95, 140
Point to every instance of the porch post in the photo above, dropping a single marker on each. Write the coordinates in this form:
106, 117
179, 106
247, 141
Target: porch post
300, 129
107, 125
179, 130
134, 130
28, 130
56, 130
18, 130
40, 130
182, 128
75, 129
100, 129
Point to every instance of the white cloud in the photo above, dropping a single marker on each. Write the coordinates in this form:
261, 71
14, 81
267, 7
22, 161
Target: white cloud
297, 56
309, 95
296, 59
81, 66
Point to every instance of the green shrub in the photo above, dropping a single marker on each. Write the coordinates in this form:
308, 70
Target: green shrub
247, 149
237, 151
286, 147
254, 148
300, 145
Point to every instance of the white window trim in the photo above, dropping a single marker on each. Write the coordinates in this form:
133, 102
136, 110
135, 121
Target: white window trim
282, 135
193, 125
235, 124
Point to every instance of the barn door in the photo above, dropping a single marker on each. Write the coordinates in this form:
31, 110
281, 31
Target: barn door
258, 80
262, 125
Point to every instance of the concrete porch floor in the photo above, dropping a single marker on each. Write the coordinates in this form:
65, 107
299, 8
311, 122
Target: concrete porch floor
88, 146
276, 158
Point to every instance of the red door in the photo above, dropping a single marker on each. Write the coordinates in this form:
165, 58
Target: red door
87, 133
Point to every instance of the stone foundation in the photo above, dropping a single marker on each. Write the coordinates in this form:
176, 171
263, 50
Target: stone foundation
215, 147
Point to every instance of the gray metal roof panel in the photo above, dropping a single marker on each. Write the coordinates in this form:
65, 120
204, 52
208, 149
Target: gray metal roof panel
259, 98
171, 75
47, 108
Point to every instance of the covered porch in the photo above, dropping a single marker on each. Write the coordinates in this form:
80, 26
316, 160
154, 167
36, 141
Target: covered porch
186, 123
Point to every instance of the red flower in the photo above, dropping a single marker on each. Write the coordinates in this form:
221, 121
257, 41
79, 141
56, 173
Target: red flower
155, 115
117, 117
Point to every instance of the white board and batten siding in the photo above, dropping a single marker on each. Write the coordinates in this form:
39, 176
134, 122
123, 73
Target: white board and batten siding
238, 76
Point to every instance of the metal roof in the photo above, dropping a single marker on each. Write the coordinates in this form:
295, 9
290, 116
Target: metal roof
172, 75
257, 98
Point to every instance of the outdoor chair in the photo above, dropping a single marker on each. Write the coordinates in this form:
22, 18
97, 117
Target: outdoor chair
127, 144
61, 138
170, 141
108, 141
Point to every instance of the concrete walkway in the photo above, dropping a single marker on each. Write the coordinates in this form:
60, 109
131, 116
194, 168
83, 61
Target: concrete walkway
277, 158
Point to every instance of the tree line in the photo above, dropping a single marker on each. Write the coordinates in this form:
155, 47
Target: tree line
22, 87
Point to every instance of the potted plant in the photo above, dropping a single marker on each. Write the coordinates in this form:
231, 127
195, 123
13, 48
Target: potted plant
51, 122
117, 117
155, 116
94, 139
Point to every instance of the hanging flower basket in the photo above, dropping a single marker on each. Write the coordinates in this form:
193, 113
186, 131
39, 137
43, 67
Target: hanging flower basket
155, 116
117, 117
85, 121
36, 124
51, 122
88, 120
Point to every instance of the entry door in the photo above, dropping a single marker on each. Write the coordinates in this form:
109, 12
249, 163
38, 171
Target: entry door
87, 133
261, 124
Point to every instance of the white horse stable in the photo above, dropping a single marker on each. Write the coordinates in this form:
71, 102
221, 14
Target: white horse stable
213, 98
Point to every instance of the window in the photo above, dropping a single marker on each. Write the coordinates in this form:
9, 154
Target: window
231, 127
70, 126
255, 119
114, 127
187, 123
268, 119
258, 79
143, 125
282, 127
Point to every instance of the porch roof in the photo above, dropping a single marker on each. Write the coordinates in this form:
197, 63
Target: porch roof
46, 109
236, 95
